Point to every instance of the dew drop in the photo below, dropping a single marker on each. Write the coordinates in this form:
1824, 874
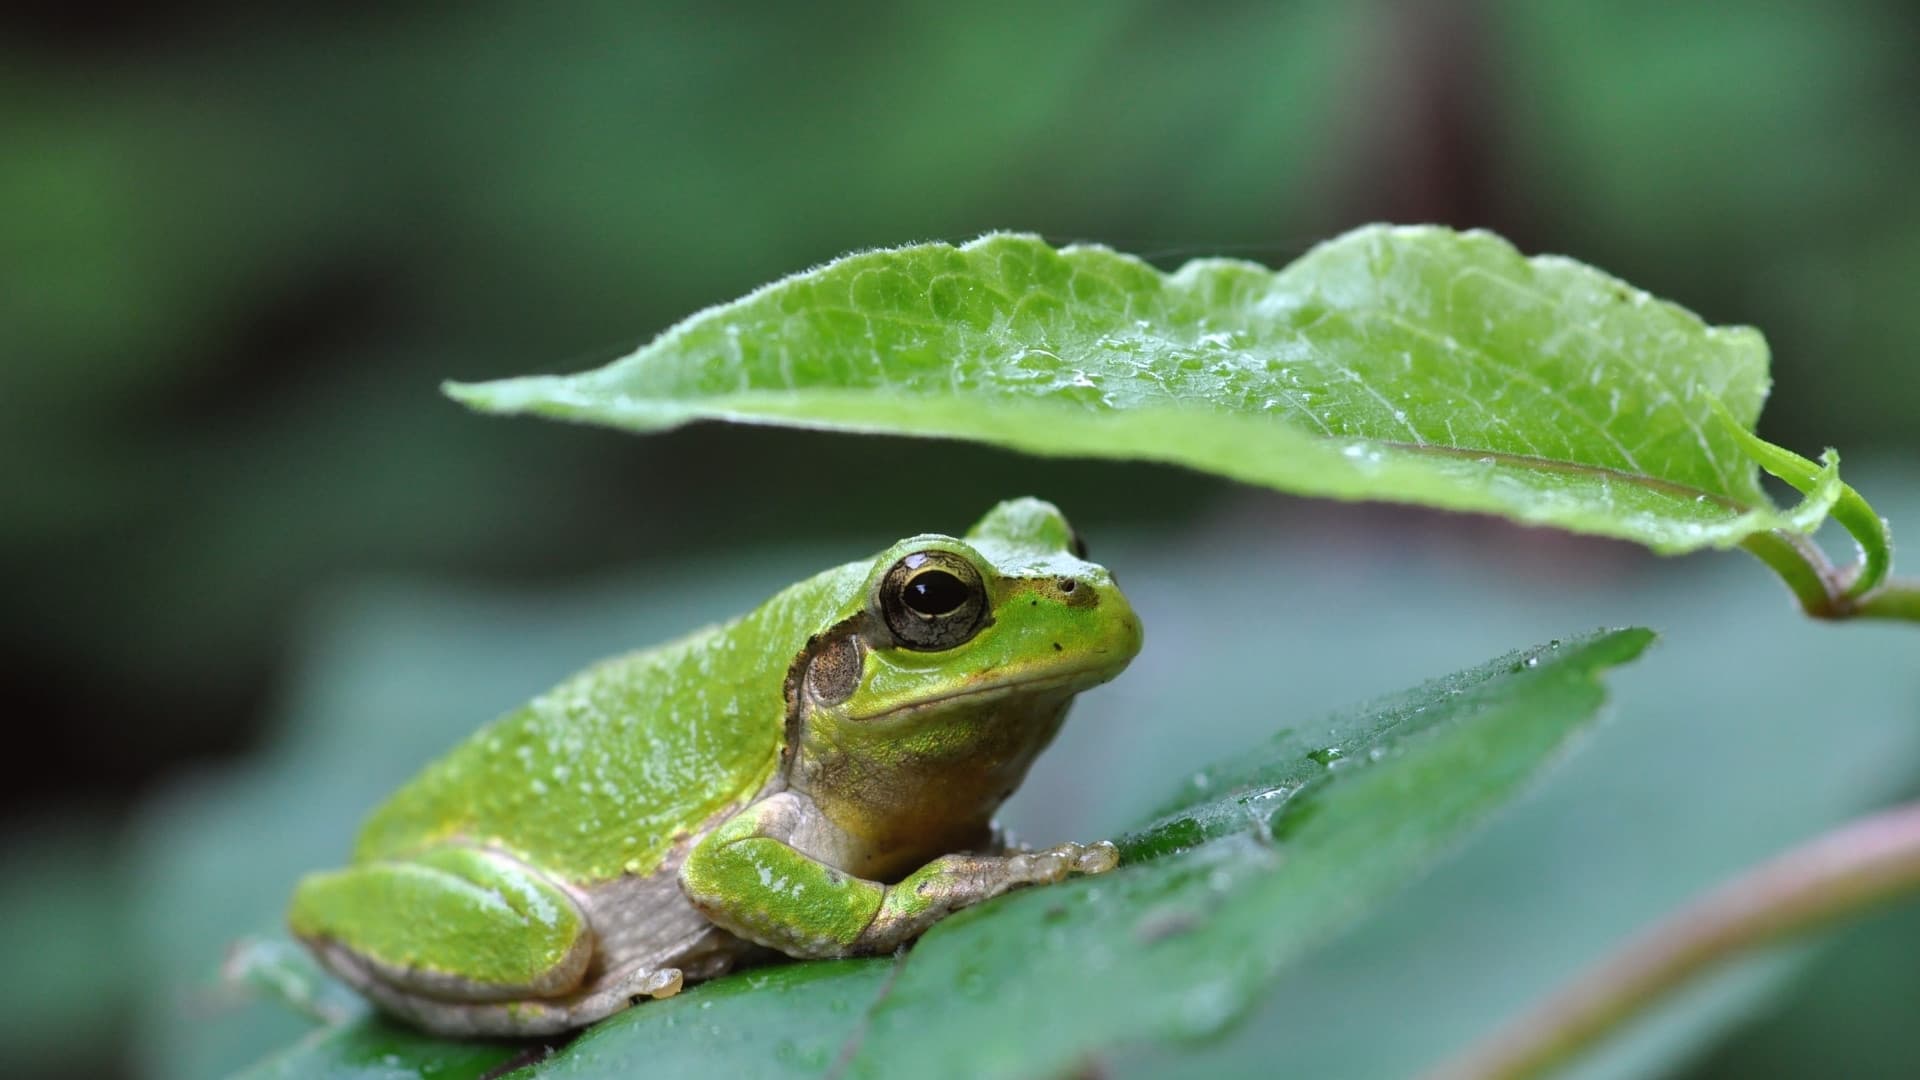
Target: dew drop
1273, 793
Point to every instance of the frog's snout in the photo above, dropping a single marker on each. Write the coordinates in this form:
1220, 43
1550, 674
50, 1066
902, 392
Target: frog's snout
1123, 635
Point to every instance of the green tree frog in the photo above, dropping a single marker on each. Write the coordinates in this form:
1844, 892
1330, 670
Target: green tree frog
817, 778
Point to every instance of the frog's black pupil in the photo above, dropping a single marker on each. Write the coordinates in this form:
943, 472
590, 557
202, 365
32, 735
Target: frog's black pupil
935, 592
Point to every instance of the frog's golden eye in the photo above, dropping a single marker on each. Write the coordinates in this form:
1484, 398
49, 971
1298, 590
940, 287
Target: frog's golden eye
933, 600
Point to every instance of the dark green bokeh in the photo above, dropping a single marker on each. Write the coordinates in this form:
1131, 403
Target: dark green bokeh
239, 248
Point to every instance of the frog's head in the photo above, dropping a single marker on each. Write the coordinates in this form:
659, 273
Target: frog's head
931, 698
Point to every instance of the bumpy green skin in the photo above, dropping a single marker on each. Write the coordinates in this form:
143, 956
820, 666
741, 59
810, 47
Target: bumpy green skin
600, 775
802, 778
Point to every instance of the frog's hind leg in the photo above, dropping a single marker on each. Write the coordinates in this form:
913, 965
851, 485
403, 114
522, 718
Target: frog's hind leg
451, 924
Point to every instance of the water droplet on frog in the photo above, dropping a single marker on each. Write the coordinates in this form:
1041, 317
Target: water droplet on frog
1326, 755
1533, 661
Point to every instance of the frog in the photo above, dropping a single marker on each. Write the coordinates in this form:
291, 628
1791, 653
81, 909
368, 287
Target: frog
817, 778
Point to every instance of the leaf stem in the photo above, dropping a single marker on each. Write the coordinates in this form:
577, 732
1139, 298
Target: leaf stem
1896, 598
1829, 592
1803, 566
1857, 866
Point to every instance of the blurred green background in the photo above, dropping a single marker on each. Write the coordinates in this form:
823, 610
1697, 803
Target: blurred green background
240, 245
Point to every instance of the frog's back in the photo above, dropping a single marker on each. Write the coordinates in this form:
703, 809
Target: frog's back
604, 773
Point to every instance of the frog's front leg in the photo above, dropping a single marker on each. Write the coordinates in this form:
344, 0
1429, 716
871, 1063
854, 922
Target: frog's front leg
749, 877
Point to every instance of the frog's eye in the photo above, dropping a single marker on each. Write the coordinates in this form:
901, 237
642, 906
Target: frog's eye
933, 600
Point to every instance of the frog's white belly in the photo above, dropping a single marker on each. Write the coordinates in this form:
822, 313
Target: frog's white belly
646, 923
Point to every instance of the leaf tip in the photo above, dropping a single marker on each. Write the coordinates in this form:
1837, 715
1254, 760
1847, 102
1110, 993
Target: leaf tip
462, 392
1633, 640
1603, 648
503, 396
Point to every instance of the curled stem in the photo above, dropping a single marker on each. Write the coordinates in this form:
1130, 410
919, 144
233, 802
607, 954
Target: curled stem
1842, 873
1826, 591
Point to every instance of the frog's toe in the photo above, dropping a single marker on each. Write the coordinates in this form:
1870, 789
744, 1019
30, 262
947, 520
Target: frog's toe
1040, 867
664, 983
1058, 862
1095, 858
659, 983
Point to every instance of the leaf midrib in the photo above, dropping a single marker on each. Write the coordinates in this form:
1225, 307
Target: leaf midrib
1546, 464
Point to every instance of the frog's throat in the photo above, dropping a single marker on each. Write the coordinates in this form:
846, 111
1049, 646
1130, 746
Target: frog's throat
903, 794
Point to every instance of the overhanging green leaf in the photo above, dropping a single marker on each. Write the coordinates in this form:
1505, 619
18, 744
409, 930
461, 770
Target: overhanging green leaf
1416, 365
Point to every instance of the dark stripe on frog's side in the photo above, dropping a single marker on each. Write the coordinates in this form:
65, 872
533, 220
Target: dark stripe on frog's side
827, 670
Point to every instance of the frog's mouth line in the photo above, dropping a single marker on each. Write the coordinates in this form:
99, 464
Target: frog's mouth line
1085, 677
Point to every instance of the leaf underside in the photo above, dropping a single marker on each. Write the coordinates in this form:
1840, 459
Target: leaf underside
1409, 364
1244, 871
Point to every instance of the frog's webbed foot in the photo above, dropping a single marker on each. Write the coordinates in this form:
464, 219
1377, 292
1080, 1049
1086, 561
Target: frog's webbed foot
527, 1017
628, 990
1026, 867
564, 1014
952, 882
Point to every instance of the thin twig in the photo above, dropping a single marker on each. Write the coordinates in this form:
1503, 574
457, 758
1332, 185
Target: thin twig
1842, 873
